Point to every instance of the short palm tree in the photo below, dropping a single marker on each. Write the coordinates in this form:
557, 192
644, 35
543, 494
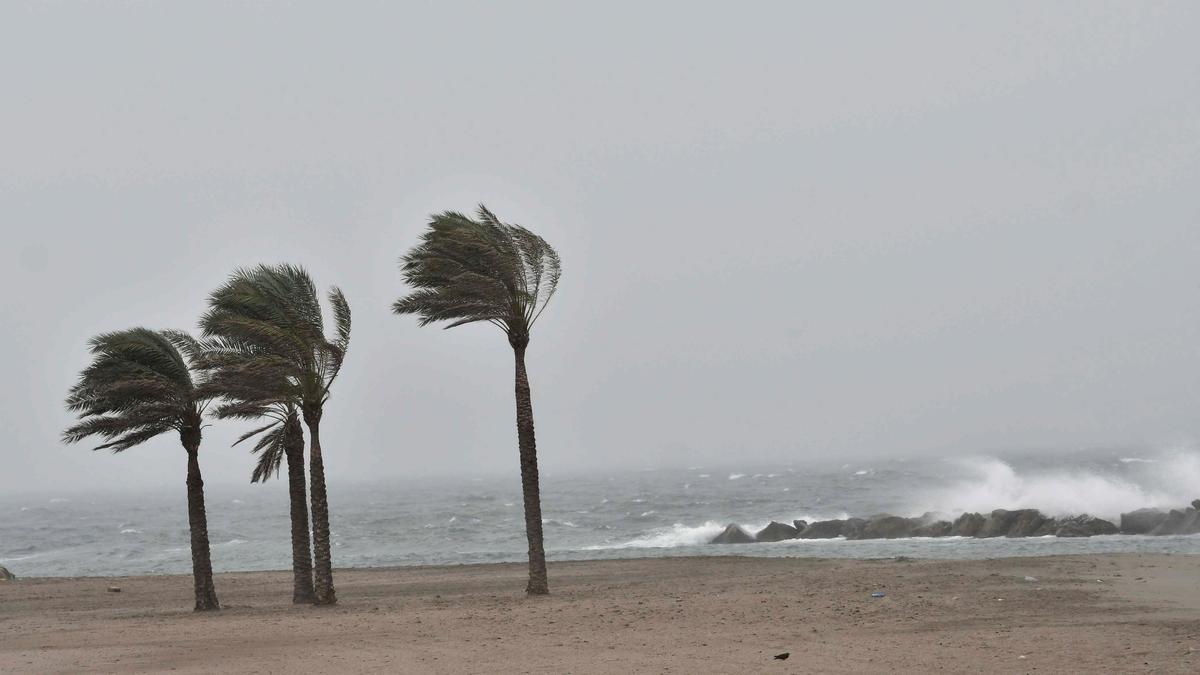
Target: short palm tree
274, 312
253, 387
138, 386
471, 270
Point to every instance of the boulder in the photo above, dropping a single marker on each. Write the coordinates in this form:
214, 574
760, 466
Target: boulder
967, 525
828, 529
1084, 526
799, 525
733, 534
776, 532
1141, 521
1028, 523
1047, 529
852, 528
1179, 522
5, 575
998, 523
937, 528
885, 527
1196, 504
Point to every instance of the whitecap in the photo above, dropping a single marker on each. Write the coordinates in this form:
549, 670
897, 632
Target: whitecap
735, 476
668, 537
131, 530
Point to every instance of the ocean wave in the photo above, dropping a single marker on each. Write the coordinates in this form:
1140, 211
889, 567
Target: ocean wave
131, 530
736, 476
558, 523
669, 537
1165, 482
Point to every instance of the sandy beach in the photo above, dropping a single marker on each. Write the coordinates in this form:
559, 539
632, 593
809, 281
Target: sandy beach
1104, 613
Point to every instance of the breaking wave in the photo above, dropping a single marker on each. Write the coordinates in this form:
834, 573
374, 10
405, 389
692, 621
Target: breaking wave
1168, 482
669, 537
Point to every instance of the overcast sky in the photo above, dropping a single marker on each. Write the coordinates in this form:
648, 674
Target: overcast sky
789, 230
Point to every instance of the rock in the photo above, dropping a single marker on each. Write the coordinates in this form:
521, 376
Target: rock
885, 527
1141, 521
967, 525
823, 529
1047, 529
1027, 523
1196, 504
852, 527
937, 528
799, 525
733, 534
1179, 522
1084, 526
776, 532
114, 589
5, 575
998, 523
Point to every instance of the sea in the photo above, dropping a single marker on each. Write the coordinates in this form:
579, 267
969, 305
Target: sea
623, 513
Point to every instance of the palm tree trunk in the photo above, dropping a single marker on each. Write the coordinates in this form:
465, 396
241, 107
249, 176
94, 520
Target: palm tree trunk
206, 594
530, 490
323, 572
302, 568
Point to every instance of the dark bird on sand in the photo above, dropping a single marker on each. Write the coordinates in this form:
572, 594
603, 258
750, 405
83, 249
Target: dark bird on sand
783, 656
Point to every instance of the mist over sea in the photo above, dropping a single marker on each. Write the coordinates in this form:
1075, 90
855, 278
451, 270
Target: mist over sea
611, 515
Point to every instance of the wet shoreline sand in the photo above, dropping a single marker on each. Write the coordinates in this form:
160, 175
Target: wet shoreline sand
1088, 613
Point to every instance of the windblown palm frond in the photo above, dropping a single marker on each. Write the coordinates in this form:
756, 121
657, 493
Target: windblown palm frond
264, 330
469, 270
140, 384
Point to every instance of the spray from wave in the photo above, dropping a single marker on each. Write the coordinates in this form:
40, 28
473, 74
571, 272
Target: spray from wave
1170, 481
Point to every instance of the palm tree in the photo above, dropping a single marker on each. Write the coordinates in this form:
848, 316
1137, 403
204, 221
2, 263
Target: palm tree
253, 388
467, 271
138, 386
273, 312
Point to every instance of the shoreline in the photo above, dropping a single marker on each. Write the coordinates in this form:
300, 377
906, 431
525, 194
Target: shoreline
1099, 612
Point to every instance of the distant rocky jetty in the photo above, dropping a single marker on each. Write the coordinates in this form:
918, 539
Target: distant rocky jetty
998, 523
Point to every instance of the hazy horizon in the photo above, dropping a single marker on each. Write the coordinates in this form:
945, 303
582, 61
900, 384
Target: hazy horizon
788, 234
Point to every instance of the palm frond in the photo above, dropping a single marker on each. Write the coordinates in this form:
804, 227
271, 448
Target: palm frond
139, 384
467, 270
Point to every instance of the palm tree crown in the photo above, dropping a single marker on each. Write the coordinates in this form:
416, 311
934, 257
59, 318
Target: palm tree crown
265, 329
465, 271
138, 386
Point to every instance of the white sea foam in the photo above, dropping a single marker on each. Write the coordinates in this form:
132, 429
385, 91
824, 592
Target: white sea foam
735, 476
1167, 482
668, 537
130, 530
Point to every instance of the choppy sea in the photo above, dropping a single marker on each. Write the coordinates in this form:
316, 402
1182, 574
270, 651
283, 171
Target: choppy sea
620, 514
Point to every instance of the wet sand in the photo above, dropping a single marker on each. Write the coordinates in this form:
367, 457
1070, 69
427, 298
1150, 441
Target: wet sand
1096, 613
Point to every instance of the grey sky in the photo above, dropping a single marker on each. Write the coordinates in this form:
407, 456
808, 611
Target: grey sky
788, 230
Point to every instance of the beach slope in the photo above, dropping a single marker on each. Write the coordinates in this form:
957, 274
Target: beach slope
1098, 613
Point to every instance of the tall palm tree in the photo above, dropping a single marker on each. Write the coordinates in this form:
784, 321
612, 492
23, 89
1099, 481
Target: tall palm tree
274, 312
138, 386
254, 388
467, 271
